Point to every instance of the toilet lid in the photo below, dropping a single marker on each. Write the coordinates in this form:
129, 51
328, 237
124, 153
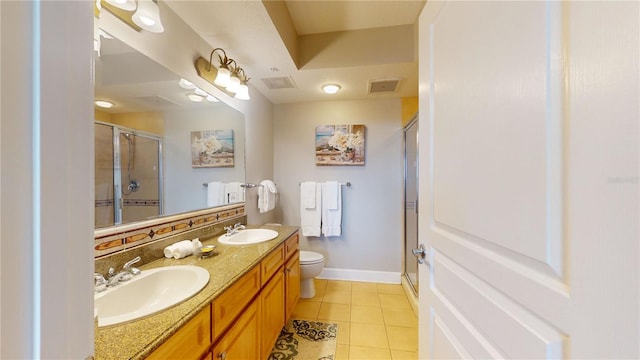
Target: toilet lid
310, 257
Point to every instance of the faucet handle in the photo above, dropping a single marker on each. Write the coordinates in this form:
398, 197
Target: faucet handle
132, 270
99, 282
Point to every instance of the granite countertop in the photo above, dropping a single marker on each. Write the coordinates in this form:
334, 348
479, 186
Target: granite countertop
137, 339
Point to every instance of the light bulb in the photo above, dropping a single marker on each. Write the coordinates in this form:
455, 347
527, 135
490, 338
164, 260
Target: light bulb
223, 78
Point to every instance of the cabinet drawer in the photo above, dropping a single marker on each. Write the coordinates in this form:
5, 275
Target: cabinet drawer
291, 245
231, 303
271, 263
190, 342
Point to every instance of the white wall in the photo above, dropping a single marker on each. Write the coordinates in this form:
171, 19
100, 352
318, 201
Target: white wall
47, 182
372, 207
183, 190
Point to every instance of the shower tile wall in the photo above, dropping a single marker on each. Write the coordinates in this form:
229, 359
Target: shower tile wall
103, 175
143, 203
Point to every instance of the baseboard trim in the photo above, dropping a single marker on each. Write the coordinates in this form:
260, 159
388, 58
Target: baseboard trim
360, 275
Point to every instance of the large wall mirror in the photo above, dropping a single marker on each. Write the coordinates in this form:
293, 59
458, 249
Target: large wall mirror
157, 152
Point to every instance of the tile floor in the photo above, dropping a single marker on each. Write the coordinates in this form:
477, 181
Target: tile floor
375, 321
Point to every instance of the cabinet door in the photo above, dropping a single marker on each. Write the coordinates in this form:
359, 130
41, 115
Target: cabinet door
272, 302
240, 342
190, 342
292, 284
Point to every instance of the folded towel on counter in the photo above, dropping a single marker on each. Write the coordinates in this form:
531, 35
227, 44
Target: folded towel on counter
308, 195
266, 196
331, 218
310, 218
215, 194
182, 248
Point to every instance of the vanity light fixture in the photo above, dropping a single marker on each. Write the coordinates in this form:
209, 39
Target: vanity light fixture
147, 16
331, 88
103, 104
228, 75
186, 84
128, 5
195, 98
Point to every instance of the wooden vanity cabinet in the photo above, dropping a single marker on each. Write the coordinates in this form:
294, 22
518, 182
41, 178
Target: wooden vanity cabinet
190, 342
246, 319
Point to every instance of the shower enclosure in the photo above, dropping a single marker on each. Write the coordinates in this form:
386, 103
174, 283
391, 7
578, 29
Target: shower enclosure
411, 203
128, 169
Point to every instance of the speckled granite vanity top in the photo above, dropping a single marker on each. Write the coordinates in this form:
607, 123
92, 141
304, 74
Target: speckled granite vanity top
137, 339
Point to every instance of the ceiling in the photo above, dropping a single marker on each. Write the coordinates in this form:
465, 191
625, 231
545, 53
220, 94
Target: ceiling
306, 44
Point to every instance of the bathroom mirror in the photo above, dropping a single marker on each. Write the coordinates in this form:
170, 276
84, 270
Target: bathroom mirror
155, 148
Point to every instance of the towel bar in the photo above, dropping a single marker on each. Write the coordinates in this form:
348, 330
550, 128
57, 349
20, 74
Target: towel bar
348, 183
247, 185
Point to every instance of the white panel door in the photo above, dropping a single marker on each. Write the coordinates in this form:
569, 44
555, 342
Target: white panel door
529, 180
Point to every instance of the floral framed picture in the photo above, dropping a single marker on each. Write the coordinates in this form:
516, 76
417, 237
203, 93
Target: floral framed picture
340, 145
212, 148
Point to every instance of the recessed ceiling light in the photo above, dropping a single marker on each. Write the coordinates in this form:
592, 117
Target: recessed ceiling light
212, 98
195, 98
331, 88
200, 92
186, 84
104, 104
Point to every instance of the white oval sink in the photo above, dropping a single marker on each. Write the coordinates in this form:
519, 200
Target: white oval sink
248, 236
148, 293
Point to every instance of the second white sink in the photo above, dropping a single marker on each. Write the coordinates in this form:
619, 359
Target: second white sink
248, 236
148, 293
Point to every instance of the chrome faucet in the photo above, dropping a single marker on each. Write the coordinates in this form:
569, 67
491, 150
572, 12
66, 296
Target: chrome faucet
125, 274
99, 282
232, 230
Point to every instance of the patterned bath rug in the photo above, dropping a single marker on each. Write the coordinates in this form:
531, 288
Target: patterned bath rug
306, 340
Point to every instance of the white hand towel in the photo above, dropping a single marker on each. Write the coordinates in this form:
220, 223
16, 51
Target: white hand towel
331, 218
308, 195
330, 193
266, 196
215, 194
168, 251
233, 192
171, 250
310, 218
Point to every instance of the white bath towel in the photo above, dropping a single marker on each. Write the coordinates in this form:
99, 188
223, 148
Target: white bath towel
331, 218
310, 218
267, 196
182, 248
233, 192
308, 195
215, 194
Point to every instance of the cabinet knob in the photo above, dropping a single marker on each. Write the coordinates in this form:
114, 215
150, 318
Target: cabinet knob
222, 355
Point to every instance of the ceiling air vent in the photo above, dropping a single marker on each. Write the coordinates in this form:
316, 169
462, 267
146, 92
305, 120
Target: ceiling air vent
279, 83
383, 86
156, 100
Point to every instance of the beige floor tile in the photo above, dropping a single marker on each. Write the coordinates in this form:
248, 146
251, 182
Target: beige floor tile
364, 287
399, 317
404, 355
368, 353
390, 289
402, 338
367, 315
320, 284
342, 352
339, 284
392, 301
306, 310
344, 332
334, 312
369, 335
337, 296
364, 299
317, 297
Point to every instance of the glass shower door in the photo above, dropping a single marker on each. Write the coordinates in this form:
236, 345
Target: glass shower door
411, 203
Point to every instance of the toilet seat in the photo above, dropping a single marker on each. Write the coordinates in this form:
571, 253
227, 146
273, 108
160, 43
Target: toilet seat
310, 257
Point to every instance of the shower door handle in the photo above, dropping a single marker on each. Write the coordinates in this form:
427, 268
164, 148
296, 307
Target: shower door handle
421, 253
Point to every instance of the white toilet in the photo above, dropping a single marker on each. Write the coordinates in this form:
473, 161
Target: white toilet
311, 264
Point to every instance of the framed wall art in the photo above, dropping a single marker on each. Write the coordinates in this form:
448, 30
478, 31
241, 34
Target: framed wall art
340, 145
212, 148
